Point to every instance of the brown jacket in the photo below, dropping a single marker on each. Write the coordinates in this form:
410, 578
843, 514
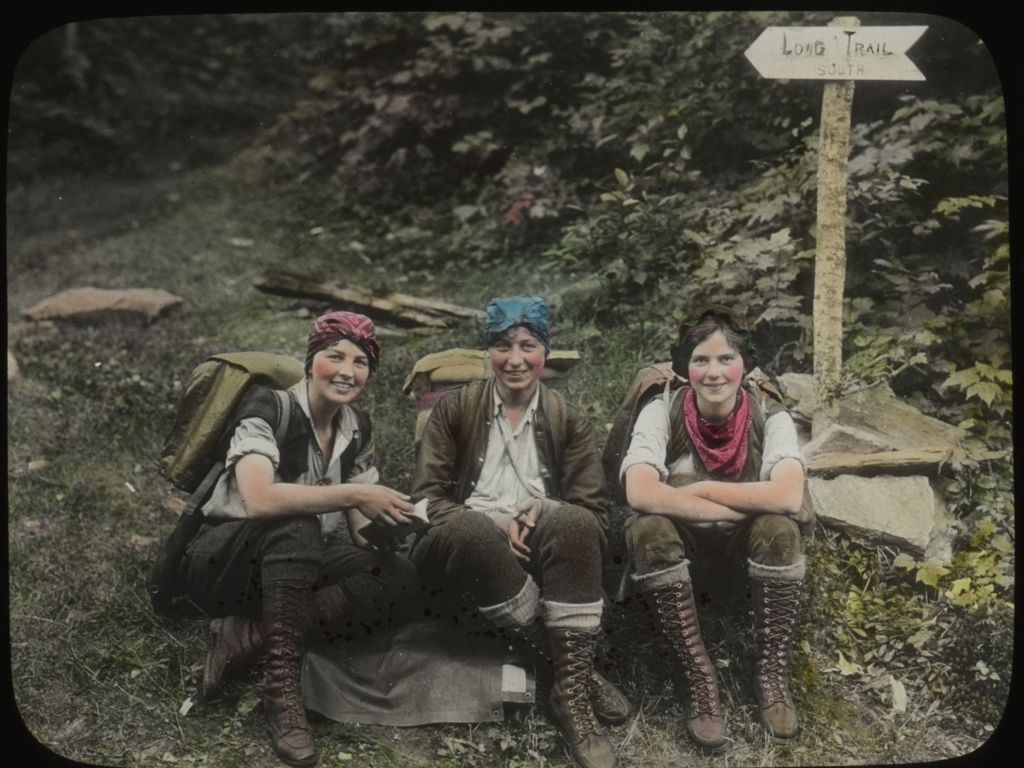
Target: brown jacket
451, 452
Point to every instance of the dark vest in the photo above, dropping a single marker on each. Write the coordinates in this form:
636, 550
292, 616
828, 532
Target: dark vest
262, 403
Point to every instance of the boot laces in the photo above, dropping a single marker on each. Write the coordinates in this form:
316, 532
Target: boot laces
779, 605
284, 663
578, 686
684, 637
284, 673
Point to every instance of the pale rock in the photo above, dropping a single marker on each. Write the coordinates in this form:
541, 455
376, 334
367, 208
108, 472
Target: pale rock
141, 543
88, 303
175, 505
878, 412
904, 511
839, 438
13, 371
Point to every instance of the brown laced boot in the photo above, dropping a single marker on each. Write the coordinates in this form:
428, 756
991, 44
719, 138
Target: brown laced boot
238, 644
677, 614
776, 606
610, 705
572, 654
290, 732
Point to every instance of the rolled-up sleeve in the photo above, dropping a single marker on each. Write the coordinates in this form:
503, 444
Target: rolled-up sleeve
252, 435
649, 442
780, 442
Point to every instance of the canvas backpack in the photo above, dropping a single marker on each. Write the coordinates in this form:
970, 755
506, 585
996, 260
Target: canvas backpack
660, 380
435, 375
193, 452
213, 392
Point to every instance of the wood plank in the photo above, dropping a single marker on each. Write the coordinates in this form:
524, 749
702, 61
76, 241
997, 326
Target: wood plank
437, 306
828, 464
382, 308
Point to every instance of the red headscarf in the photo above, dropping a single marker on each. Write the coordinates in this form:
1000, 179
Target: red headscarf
332, 327
722, 446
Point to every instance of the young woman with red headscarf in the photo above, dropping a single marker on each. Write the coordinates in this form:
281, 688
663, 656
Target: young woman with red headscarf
715, 476
280, 553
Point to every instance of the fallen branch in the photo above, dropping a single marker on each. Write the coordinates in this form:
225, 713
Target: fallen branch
398, 308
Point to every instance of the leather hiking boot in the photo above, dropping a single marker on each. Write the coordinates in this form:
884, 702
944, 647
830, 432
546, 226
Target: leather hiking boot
610, 705
677, 616
238, 644
776, 607
290, 733
572, 653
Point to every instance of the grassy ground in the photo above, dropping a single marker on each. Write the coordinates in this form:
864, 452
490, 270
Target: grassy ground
98, 678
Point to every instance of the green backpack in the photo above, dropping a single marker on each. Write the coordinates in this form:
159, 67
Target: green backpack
192, 456
649, 382
214, 390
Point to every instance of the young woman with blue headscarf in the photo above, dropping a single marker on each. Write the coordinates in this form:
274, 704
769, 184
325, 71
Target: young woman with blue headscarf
519, 503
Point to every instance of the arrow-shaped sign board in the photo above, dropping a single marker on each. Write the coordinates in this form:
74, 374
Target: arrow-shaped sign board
835, 53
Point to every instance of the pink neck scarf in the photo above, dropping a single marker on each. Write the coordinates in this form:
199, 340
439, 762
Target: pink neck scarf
722, 446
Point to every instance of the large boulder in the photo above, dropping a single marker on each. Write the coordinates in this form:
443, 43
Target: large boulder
902, 511
89, 304
876, 433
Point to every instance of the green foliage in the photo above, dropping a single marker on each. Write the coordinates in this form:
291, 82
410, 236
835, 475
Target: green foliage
989, 385
880, 358
640, 148
901, 643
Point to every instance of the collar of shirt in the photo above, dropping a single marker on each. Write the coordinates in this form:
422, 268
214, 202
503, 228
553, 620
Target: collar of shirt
531, 409
345, 423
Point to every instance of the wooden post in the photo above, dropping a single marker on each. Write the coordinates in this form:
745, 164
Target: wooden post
830, 258
838, 54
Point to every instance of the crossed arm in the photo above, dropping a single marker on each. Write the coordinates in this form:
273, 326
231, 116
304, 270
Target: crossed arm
714, 500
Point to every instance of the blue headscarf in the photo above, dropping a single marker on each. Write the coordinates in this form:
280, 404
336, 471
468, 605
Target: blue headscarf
528, 311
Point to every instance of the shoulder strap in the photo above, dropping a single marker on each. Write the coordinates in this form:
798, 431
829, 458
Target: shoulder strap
284, 414
678, 437
558, 418
365, 427
348, 457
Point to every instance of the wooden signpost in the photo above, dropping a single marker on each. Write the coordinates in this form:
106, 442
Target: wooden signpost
838, 54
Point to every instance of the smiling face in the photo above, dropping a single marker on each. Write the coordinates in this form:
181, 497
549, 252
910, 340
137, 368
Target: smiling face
338, 374
715, 371
517, 362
